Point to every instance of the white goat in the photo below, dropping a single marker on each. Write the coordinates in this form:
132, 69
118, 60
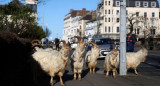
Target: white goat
92, 56
135, 58
76, 58
53, 62
112, 61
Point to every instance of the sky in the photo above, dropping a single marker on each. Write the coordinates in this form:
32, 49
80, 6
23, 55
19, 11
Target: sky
55, 11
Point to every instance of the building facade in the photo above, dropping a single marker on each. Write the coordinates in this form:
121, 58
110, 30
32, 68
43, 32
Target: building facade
145, 15
32, 4
74, 24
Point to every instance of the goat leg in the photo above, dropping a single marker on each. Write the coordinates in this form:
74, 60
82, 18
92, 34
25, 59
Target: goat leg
135, 71
107, 72
60, 76
51, 81
114, 73
94, 67
75, 76
79, 76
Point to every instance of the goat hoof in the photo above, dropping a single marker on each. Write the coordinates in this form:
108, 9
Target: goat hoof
79, 79
106, 76
74, 78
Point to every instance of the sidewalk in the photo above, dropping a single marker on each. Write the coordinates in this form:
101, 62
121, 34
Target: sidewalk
157, 52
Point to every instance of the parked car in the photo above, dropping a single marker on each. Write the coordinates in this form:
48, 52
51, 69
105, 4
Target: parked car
105, 45
73, 45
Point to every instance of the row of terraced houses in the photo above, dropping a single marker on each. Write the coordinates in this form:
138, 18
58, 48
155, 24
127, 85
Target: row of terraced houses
142, 16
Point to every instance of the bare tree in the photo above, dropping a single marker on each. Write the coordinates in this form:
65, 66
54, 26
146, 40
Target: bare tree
131, 22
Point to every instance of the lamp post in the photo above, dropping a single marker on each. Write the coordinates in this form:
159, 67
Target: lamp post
123, 70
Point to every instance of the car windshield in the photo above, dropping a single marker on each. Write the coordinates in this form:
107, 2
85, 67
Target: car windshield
103, 41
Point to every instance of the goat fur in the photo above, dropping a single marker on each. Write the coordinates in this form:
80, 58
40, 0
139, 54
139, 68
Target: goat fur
52, 62
91, 57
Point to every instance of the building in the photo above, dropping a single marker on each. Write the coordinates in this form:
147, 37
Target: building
91, 29
32, 4
145, 15
72, 23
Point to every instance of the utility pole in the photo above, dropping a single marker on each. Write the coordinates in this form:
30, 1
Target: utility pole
43, 16
123, 70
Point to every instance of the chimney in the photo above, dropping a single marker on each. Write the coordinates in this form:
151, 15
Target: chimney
83, 11
71, 10
78, 13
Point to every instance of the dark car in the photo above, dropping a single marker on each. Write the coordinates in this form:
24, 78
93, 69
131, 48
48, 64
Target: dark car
105, 45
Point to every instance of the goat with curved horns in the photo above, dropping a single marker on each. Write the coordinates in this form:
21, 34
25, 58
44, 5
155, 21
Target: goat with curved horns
53, 62
92, 56
76, 58
112, 61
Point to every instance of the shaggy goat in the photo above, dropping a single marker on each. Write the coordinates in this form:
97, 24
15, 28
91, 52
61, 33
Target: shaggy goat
76, 58
92, 56
135, 58
53, 62
112, 61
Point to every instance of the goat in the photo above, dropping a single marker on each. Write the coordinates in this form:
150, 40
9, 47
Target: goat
76, 58
92, 56
135, 58
53, 62
112, 61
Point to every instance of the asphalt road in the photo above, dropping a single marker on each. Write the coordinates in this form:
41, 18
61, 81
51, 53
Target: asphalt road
149, 75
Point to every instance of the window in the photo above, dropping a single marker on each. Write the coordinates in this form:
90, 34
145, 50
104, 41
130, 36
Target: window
109, 11
145, 4
109, 29
153, 31
153, 14
105, 11
105, 29
126, 12
109, 19
137, 22
137, 14
137, 4
145, 14
117, 12
153, 22
117, 3
109, 3
137, 30
33, 6
117, 29
105, 19
117, 19
106, 3
145, 23
112, 11
153, 4
112, 19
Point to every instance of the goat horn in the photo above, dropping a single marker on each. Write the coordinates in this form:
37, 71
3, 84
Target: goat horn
64, 43
33, 44
117, 48
113, 47
140, 46
94, 44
